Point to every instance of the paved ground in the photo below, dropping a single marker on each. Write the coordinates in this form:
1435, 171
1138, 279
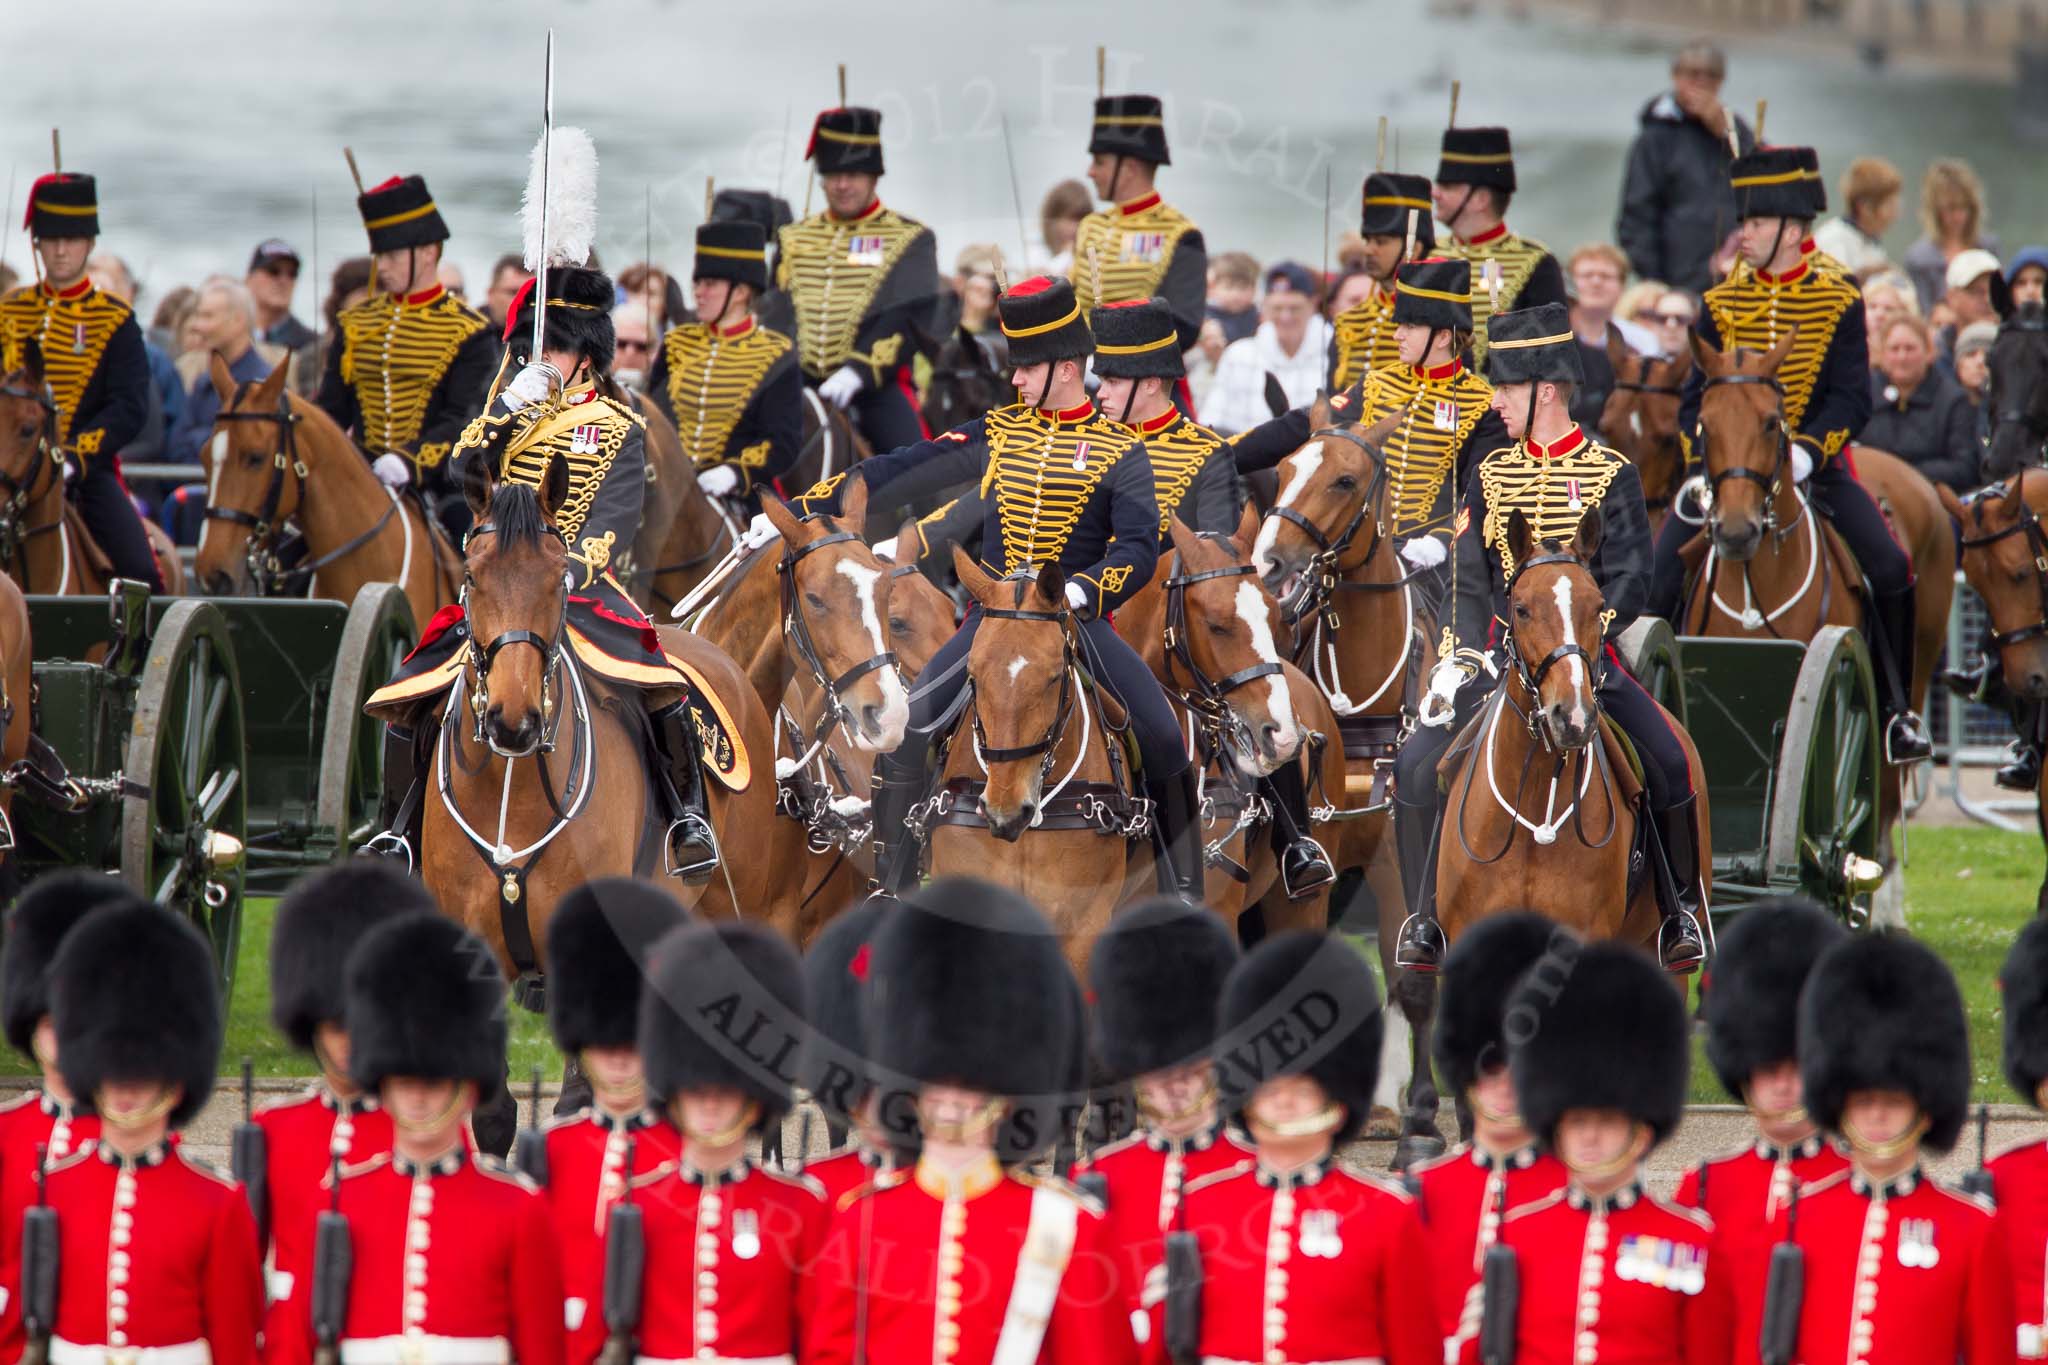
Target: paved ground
1709, 1130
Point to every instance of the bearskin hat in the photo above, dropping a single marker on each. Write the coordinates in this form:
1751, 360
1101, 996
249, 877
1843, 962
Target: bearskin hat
2023, 981
1479, 974
1157, 976
724, 1006
1601, 1028
598, 941
319, 920
579, 316
425, 999
1750, 997
1042, 322
36, 926
959, 973
1883, 1012
1318, 987
136, 997
834, 1066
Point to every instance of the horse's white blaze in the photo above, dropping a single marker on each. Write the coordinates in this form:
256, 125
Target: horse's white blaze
1573, 662
215, 461
1018, 665
1251, 609
1305, 462
895, 700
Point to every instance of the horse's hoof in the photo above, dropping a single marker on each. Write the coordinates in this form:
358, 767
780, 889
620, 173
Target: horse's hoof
1414, 1148
1383, 1124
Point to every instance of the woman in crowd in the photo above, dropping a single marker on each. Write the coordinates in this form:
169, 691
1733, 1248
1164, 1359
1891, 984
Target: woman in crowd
1973, 360
1952, 214
1917, 412
1059, 219
1885, 297
1871, 190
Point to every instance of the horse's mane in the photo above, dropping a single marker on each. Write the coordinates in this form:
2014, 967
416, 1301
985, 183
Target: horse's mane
516, 515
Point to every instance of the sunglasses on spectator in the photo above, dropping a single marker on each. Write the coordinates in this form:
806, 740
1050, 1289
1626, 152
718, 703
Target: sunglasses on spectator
1674, 319
625, 345
284, 269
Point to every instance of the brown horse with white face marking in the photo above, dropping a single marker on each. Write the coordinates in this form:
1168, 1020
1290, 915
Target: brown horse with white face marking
1640, 421
275, 459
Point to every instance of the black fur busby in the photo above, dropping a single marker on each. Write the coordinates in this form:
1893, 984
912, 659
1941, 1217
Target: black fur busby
724, 1006
732, 250
37, 924
2023, 981
1434, 293
1389, 200
847, 140
1479, 974
834, 1066
1771, 182
425, 999
63, 204
1602, 1028
136, 997
1477, 156
1157, 977
579, 317
1042, 321
1136, 339
1750, 996
1883, 1012
964, 989
1132, 126
1816, 188
319, 921
1533, 346
598, 941
1316, 991
401, 213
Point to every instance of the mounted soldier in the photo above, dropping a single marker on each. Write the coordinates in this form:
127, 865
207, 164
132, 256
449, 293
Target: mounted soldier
93, 362
1140, 247
414, 362
860, 275
1555, 476
732, 386
1475, 182
1397, 224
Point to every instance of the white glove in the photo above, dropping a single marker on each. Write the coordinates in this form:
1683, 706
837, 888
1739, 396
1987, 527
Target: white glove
1440, 702
392, 470
1802, 462
718, 480
759, 532
1424, 552
885, 549
530, 385
1077, 596
841, 387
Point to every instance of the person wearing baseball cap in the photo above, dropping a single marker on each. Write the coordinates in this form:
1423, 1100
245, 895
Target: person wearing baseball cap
273, 277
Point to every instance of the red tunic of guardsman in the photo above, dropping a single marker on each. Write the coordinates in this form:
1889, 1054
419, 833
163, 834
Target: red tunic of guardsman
2020, 1176
833, 1068
453, 1257
157, 1256
1898, 1269
598, 940
727, 1241
1156, 977
1464, 1194
1750, 1004
1607, 1272
965, 1262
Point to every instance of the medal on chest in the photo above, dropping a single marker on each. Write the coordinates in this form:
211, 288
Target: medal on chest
746, 1234
1446, 414
583, 440
1320, 1236
1662, 1264
1142, 248
78, 338
1574, 497
1080, 456
1916, 1244
867, 250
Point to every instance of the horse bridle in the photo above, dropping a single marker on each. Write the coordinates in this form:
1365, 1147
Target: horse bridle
1533, 676
1774, 480
1641, 384
481, 657
20, 493
1320, 576
1205, 696
797, 627
2028, 525
1042, 750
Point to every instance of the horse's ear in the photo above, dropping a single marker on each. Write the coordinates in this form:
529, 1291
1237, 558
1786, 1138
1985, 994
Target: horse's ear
1184, 539
2015, 493
787, 523
223, 378
1710, 360
1319, 411
32, 361
1520, 538
1247, 534
554, 487
1775, 357
1592, 525
1953, 504
1618, 352
980, 586
854, 505
2001, 295
1052, 586
907, 542
476, 485
271, 388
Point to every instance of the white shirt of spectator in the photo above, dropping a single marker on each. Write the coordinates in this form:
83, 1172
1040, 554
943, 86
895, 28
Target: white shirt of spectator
1236, 400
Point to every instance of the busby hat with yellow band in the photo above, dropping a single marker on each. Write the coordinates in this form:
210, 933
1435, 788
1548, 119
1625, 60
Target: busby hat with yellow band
400, 213
1132, 126
1816, 188
1476, 156
1772, 182
847, 140
1389, 201
1135, 339
63, 204
1042, 321
734, 250
1434, 293
1533, 346
579, 316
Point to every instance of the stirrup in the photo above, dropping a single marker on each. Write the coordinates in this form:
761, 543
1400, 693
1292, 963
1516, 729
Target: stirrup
2021, 771
1681, 948
1906, 740
388, 844
697, 831
1316, 869
1421, 946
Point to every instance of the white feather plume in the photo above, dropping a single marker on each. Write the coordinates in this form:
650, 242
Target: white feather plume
571, 196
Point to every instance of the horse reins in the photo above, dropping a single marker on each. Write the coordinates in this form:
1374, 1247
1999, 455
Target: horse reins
24, 492
1772, 483
1204, 696
2029, 525
797, 627
1641, 384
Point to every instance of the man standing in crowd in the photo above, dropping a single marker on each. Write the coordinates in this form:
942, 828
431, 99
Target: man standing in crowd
1292, 345
273, 276
225, 320
508, 276
1676, 208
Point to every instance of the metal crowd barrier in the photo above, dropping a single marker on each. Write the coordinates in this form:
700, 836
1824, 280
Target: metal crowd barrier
1967, 735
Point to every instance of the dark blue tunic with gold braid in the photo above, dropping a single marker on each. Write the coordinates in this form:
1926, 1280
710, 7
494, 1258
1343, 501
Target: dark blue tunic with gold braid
409, 374
92, 357
733, 393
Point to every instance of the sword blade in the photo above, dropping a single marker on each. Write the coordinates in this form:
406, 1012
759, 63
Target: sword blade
547, 129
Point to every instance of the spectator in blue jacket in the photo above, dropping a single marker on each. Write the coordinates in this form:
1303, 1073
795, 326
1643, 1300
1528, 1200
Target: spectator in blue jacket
226, 321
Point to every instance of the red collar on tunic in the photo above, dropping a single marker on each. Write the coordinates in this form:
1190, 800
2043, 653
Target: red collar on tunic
1563, 445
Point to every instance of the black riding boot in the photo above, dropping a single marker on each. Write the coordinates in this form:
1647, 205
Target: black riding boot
399, 810
2022, 772
1421, 945
896, 785
1304, 866
1905, 735
1177, 833
1681, 940
690, 847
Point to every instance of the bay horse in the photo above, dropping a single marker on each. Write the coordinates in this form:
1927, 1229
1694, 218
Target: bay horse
1640, 420
44, 545
1775, 570
276, 461
1541, 813
2005, 559
1210, 631
670, 480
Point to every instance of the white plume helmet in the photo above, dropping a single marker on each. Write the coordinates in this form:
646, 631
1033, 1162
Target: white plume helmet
571, 196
